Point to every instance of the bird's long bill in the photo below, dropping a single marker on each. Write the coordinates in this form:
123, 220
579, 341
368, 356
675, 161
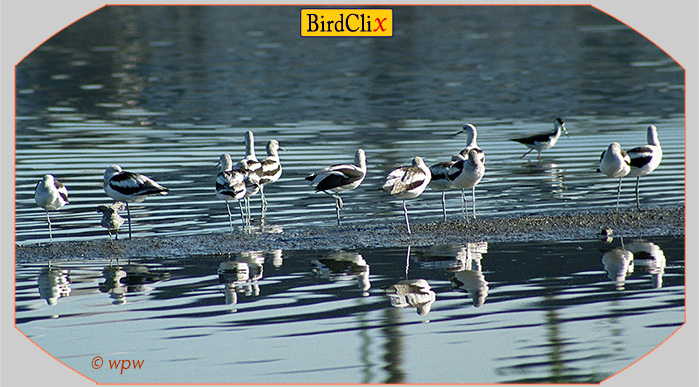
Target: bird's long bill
565, 131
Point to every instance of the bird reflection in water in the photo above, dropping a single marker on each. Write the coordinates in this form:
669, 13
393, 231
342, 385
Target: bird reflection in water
242, 275
415, 293
343, 266
130, 278
54, 283
620, 262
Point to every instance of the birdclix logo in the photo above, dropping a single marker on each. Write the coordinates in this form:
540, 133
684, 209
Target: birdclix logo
347, 22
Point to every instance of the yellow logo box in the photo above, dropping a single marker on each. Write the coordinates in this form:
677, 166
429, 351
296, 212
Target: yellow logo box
347, 22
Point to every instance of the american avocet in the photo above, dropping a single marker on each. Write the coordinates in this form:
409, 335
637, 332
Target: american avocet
50, 194
644, 159
439, 182
614, 162
252, 184
439, 171
230, 185
252, 163
340, 177
270, 169
408, 182
467, 173
130, 187
542, 142
111, 220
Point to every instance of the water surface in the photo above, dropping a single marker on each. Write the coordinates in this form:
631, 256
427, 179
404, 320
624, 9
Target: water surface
535, 312
165, 90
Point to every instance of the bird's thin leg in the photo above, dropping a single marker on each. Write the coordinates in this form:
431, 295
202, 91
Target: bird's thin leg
407, 222
110, 236
463, 204
522, 156
638, 202
242, 216
338, 207
263, 200
539, 156
618, 195
230, 217
128, 212
48, 219
444, 205
473, 191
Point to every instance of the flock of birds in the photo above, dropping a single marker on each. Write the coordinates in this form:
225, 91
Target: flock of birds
248, 176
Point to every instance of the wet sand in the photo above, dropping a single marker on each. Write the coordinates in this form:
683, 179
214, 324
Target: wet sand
564, 226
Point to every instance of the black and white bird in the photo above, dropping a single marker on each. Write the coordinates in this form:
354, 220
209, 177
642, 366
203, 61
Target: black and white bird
270, 169
644, 159
251, 160
542, 142
111, 220
230, 185
50, 194
252, 185
614, 162
439, 179
408, 182
130, 187
467, 173
340, 177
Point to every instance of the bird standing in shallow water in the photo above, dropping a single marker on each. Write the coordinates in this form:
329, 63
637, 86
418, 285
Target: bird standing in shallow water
50, 194
614, 162
644, 159
439, 172
111, 220
130, 187
408, 182
467, 173
270, 169
230, 185
542, 142
340, 177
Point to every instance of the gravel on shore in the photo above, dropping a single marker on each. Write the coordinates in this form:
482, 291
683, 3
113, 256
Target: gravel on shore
565, 226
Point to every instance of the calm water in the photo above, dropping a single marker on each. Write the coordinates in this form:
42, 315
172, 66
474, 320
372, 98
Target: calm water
575, 312
165, 90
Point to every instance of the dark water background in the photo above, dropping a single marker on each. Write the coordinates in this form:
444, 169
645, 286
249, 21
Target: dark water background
165, 90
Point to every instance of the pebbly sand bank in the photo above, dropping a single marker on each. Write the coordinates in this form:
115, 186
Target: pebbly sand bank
567, 226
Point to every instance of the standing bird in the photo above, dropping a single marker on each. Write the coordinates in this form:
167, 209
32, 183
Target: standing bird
111, 220
252, 185
408, 183
251, 160
340, 177
542, 142
644, 159
230, 185
467, 173
270, 169
439, 171
50, 194
614, 162
130, 187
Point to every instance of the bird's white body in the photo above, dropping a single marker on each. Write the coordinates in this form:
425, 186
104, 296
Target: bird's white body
408, 182
130, 187
50, 194
645, 159
614, 161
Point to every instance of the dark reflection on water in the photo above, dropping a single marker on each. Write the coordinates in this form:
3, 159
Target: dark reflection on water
570, 312
165, 90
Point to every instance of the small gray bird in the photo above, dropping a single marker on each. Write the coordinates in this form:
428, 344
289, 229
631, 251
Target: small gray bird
111, 220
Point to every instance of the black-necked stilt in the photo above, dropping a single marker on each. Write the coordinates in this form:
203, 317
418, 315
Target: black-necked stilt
270, 169
111, 220
230, 185
614, 162
130, 187
340, 177
542, 142
467, 173
408, 182
644, 159
50, 194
